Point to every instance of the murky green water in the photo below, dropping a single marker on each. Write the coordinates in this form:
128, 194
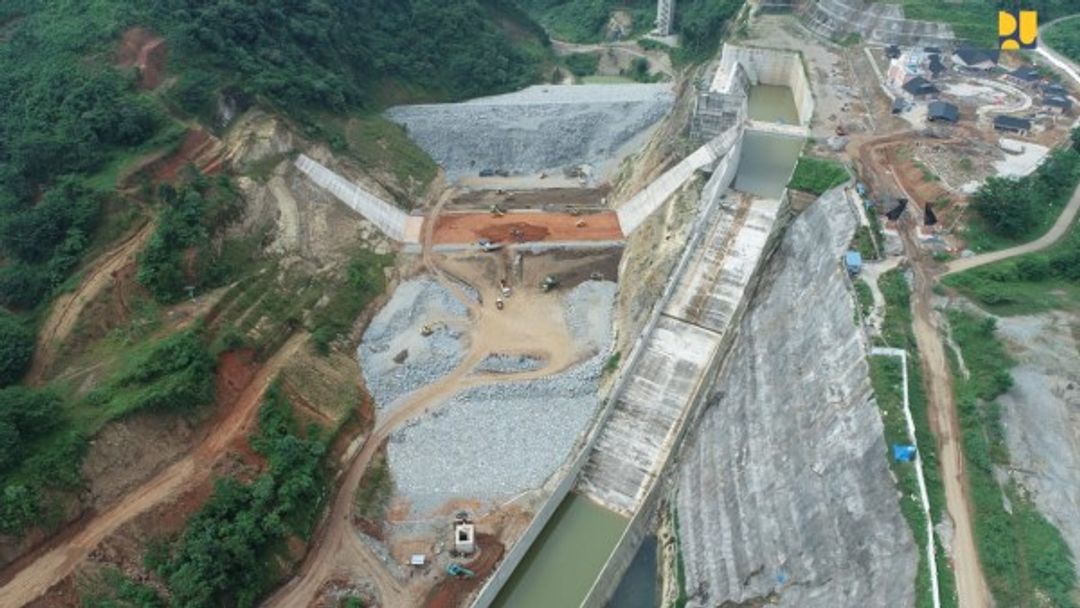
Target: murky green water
564, 561
766, 163
639, 587
771, 103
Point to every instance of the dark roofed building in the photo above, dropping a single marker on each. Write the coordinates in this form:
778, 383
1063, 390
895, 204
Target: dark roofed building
978, 59
1012, 124
1055, 90
932, 49
892, 51
940, 110
899, 105
1059, 102
919, 86
1025, 74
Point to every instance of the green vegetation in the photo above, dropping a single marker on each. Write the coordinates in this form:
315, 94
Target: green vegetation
864, 243
1064, 38
1036, 282
976, 20
365, 279
582, 64
885, 376
864, 297
639, 71
816, 175
1025, 559
179, 254
375, 490
226, 555
16, 349
171, 375
612, 363
1013, 210
379, 143
587, 20
111, 589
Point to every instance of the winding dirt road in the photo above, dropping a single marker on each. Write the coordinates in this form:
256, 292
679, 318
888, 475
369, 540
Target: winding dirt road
1056, 232
67, 307
34, 574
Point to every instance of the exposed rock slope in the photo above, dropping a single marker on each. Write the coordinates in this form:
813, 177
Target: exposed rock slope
784, 490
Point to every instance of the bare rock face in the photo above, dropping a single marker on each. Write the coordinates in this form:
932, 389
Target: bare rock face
785, 495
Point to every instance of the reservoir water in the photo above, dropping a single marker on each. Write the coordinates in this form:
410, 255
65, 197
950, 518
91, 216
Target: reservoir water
770, 103
639, 587
564, 561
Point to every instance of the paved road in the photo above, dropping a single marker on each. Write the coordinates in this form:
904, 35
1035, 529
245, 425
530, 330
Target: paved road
1059, 229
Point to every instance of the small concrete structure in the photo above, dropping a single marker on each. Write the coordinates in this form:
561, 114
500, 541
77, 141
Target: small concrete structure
853, 262
464, 538
417, 559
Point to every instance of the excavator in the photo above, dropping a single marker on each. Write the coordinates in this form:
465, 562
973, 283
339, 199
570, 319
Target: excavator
456, 569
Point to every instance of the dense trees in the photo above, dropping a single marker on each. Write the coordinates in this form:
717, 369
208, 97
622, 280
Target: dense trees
221, 557
24, 415
16, 348
1015, 208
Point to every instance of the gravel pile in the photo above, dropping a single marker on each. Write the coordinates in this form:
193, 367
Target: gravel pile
509, 364
495, 441
395, 358
541, 128
587, 311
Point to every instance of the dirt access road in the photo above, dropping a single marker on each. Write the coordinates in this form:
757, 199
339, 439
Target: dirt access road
1056, 232
68, 307
36, 573
971, 586
531, 323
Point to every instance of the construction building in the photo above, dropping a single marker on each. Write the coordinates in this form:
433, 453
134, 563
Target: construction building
1012, 124
941, 111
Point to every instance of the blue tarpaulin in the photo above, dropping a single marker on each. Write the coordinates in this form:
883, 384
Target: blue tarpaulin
903, 453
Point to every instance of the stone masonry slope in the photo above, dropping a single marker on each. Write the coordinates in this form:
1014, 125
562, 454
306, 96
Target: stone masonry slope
784, 490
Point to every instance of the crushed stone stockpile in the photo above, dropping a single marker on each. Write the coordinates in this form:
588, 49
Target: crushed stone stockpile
784, 487
495, 441
395, 358
1039, 414
541, 128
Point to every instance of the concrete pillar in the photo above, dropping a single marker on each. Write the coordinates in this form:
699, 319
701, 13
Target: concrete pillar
665, 16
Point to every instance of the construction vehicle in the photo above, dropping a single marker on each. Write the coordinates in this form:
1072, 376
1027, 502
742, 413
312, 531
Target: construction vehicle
489, 246
427, 330
504, 288
456, 569
499, 303
549, 283
497, 211
574, 211
580, 224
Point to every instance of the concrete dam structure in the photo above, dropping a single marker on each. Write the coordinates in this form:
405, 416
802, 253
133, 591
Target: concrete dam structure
784, 492
875, 22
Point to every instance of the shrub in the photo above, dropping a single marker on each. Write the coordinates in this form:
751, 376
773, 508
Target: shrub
16, 349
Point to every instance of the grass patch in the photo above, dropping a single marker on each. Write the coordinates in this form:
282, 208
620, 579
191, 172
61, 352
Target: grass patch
1025, 559
376, 487
1032, 283
885, 376
972, 20
1064, 37
865, 298
864, 243
816, 175
364, 280
377, 142
582, 64
612, 363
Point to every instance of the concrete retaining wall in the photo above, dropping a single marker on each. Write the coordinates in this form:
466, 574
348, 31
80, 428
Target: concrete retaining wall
875, 22
393, 222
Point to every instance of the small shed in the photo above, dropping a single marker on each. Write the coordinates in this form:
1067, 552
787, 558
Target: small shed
1012, 124
417, 559
899, 105
853, 262
892, 51
942, 111
1055, 90
936, 67
903, 453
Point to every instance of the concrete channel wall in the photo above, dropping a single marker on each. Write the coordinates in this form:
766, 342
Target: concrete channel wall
719, 182
768, 67
393, 222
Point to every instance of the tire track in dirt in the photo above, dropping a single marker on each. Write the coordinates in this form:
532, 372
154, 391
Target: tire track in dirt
66, 309
35, 574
